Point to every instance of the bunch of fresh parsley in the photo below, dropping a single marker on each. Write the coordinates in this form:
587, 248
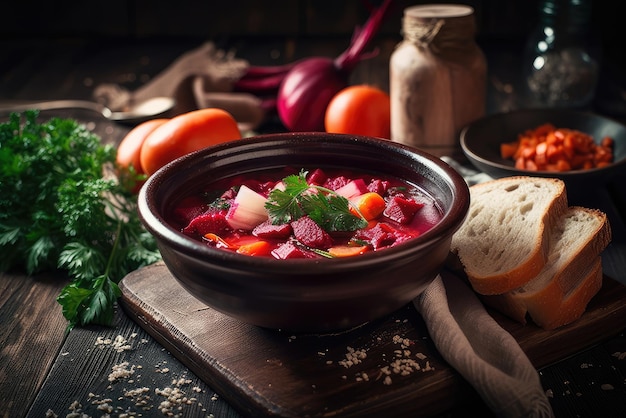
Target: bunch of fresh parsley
59, 209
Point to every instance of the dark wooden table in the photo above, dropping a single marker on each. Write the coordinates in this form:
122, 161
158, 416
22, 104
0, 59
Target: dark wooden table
124, 370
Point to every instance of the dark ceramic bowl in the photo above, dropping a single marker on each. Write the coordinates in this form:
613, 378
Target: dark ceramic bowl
481, 141
304, 295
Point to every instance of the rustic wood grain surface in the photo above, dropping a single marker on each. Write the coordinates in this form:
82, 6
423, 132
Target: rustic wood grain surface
268, 372
44, 370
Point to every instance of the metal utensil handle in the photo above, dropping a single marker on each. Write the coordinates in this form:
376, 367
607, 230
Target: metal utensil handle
20, 106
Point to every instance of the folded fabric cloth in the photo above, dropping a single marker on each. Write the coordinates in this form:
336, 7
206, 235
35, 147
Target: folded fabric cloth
200, 78
485, 354
470, 175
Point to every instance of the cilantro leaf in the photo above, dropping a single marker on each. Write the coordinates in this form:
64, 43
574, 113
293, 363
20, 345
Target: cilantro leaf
283, 206
328, 209
331, 212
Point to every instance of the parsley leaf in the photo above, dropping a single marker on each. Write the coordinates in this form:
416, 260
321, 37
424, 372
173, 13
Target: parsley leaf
283, 206
61, 209
328, 209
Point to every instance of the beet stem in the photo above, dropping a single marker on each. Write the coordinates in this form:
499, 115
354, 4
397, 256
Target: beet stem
361, 38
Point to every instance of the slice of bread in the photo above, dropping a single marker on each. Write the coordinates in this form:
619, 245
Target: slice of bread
504, 240
556, 314
559, 294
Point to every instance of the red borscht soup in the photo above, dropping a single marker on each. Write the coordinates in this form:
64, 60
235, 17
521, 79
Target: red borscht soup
314, 213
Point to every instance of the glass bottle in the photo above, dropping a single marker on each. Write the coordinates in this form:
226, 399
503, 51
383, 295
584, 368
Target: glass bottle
561, 56
437, 78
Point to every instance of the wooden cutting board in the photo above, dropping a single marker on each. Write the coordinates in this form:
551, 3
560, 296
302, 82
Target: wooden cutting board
274, 373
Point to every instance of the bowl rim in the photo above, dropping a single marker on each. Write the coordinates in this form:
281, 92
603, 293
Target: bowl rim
471, 152
157, 225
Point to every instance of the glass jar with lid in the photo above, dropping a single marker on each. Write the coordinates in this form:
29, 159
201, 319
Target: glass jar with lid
561, 56
437, 78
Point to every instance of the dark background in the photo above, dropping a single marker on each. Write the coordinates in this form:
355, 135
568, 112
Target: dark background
249, 26
123, 19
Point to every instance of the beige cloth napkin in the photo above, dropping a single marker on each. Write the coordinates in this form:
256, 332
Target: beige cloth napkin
470, 175
485, 354
472, 342
200, 78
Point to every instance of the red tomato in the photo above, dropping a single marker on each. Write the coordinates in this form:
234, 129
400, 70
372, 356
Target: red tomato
359, 110
186, 133
128, 151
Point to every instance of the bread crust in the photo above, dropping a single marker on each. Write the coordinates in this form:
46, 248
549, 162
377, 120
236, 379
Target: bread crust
532, 259
557, 314
574, 305
560, 293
